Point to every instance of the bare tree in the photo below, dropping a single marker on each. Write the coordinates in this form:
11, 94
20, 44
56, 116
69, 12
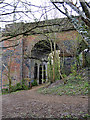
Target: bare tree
19, 10
82, 22
8, 71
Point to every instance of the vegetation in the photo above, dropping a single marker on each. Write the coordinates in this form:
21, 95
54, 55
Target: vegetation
34, 83
70, 117
19, 87
54, 72
54, 67
81, 25
15, 88
74, 84
25, 9
8, 74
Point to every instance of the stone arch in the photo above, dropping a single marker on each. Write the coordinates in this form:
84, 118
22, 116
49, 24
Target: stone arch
42, 49
35, 70
40, 52
38, 56
31, 41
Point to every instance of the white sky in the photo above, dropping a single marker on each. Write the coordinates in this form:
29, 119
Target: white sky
36, 13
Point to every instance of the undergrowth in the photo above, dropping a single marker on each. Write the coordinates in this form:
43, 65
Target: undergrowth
19, 86
75, 85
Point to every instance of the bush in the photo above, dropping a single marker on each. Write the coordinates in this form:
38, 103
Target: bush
34, 83
64, 75
13, 88
16, 87
24, 87
5, 91
19, 86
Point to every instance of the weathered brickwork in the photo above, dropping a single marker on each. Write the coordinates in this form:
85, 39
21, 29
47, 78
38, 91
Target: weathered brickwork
21, 57
12, 60
63, 42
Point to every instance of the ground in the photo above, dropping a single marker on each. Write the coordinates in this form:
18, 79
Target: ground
30, 103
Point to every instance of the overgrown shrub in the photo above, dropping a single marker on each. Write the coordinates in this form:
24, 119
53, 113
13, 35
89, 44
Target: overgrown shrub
24, 87
64, 75
5, 91
15, 88
34, 83
19, 86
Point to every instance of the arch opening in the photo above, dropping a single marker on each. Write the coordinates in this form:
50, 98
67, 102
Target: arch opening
35, 70
40, 74
40, 53
42, 49
44, 73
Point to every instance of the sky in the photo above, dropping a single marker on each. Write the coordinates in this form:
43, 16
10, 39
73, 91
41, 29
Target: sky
37, 13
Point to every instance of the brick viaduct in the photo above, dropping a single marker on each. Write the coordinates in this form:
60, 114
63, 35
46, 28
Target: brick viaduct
29, 58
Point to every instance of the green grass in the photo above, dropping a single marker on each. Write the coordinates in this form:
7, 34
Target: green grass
0, 94
75, 86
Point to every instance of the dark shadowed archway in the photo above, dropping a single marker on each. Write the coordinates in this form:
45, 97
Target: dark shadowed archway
40, 74
35, 71
39, 54
42, 49
44, 73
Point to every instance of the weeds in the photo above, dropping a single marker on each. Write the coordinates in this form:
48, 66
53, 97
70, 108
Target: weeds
75, 85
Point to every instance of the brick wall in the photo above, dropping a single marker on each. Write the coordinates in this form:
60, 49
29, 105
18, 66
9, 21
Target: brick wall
12, 58
21, 65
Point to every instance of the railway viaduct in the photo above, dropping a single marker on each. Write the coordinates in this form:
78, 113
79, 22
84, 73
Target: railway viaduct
29, 57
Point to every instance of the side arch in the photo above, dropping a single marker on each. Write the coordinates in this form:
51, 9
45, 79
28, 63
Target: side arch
35, 70
40, 74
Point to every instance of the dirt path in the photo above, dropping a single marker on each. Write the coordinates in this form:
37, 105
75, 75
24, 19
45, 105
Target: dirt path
32, 104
